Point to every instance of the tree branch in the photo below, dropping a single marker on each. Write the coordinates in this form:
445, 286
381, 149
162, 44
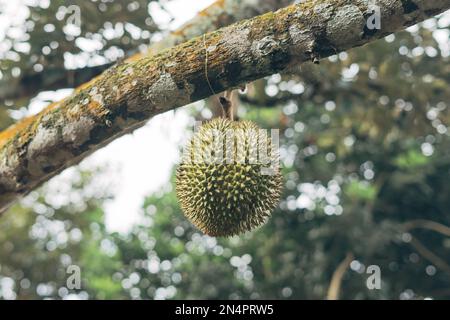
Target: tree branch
218, 15
427, 224
126, 95
338, 275
429, 255
420, 247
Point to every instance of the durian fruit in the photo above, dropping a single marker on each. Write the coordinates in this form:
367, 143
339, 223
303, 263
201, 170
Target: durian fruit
226, 193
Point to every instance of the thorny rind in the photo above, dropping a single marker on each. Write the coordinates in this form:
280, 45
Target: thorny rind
126, 95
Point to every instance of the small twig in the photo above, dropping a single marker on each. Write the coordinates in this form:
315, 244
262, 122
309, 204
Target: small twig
427, 224
420, 247
430, 256
336, 279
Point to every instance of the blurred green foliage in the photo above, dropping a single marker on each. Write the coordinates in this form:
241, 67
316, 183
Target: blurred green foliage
365, 149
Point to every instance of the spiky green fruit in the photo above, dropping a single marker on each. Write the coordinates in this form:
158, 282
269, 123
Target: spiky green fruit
222, 183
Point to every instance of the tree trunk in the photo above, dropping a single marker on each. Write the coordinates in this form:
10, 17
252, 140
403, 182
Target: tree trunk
126, 95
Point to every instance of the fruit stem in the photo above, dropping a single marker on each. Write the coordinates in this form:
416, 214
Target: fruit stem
227, 105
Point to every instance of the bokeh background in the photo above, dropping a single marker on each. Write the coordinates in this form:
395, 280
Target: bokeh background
365, 147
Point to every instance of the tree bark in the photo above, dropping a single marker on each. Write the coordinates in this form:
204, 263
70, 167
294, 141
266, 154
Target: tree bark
126, 95
220, 14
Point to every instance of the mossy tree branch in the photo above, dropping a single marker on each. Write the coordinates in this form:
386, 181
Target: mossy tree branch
219, 14
126, 95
